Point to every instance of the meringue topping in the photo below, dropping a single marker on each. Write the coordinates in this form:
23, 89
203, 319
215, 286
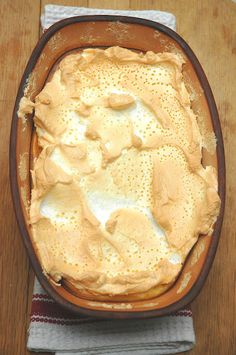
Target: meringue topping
119, 192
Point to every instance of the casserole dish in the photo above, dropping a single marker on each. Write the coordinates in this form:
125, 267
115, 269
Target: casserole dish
141, 35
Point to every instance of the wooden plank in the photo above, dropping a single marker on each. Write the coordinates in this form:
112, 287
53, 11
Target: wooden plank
14, 265
107, 4
209, 28
18, 35
82, 3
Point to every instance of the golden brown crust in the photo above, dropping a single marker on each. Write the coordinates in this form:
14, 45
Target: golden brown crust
82, 293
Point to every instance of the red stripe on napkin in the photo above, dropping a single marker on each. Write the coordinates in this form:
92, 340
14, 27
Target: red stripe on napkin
46, 310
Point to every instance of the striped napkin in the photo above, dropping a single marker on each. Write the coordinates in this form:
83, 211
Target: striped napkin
54, 329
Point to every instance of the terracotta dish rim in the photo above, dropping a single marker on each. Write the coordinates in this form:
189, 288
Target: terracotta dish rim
194, 291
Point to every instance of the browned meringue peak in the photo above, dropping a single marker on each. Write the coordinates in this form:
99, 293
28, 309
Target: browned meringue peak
182, 197
26, 107
120, 101
120, 195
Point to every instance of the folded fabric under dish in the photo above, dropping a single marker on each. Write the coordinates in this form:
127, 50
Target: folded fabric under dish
54, 13
54, 329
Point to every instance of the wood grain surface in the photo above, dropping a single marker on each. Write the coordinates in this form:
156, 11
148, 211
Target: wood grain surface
210, 29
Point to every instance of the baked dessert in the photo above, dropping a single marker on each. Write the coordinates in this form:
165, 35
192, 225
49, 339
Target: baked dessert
119, 193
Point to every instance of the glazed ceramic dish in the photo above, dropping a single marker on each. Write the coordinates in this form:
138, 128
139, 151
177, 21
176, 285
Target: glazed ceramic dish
140, 35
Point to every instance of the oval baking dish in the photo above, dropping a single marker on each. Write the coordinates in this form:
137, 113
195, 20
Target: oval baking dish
103, 31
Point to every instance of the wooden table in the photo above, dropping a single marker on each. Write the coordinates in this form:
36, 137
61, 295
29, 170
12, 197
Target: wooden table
210, 29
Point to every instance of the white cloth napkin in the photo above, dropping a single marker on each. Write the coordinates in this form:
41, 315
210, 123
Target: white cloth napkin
53, 329
54, 13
